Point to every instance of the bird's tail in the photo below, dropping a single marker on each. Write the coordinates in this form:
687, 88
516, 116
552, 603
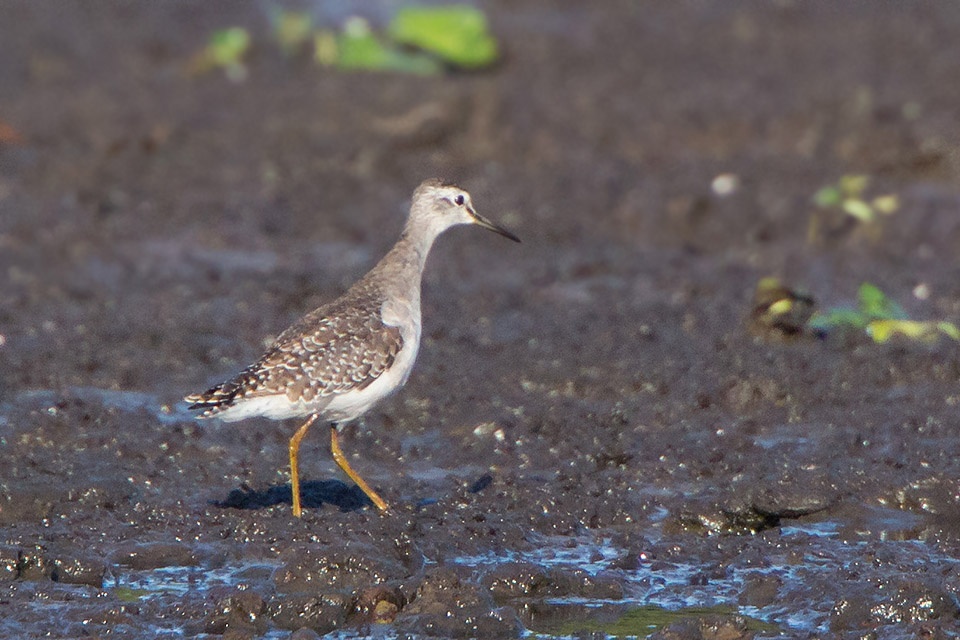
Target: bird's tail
214, 400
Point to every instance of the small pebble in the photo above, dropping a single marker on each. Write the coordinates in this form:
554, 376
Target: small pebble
725, 184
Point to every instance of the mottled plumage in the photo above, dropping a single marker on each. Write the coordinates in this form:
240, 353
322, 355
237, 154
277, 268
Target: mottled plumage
341, 359
340, 347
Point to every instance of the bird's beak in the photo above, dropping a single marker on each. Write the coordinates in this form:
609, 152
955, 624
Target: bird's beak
486, 224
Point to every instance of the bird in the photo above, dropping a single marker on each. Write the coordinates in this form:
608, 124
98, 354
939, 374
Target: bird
338, 361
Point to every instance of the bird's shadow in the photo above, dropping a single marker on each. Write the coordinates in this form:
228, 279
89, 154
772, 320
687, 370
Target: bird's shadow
313, 495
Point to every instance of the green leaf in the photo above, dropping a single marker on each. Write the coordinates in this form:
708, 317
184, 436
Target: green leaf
456, 33
359, 48
949, 329
325, 47
828, 197
872, 305
883, 330
228, 46
780, 307
225, 50
838, 317
886, 204
292, 29
129, 594
882, 318
853, 185
637, 622
859, 210
875, 305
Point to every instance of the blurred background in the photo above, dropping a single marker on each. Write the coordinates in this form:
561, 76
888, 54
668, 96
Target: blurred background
144, 149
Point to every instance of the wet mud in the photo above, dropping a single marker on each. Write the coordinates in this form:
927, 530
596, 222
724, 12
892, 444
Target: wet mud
596, 441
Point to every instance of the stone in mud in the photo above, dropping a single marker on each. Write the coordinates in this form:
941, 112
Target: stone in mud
445, 607
577, 583
909, 603
932, 495
78, 568
639, 552
29, 500
321, 613
154, 555
241, 612
758, 510
526, 580
748, 394
346, 568
793, 497
517, 580
713, 627
760, 590
9, 558
707, 517
379, 605
106, 618
33, 564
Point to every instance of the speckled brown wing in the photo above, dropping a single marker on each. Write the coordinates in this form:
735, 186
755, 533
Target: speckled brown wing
337, 348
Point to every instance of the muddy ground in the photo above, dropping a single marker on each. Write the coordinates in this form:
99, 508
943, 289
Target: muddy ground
595, 439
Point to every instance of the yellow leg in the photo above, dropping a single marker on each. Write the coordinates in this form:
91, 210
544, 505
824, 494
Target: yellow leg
342, 461
294, 473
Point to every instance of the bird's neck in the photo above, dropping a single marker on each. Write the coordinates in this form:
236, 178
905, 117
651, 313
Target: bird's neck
405, 261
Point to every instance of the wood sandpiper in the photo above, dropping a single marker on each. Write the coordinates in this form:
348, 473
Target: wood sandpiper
338, 361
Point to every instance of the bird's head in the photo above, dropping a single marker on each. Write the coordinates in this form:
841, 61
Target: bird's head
441, 206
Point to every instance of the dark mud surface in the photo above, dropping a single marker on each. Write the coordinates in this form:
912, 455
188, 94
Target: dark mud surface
594, 441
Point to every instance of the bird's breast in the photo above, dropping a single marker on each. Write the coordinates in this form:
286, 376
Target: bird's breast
404, 314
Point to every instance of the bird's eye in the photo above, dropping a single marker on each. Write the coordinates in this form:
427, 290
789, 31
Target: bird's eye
459, 200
